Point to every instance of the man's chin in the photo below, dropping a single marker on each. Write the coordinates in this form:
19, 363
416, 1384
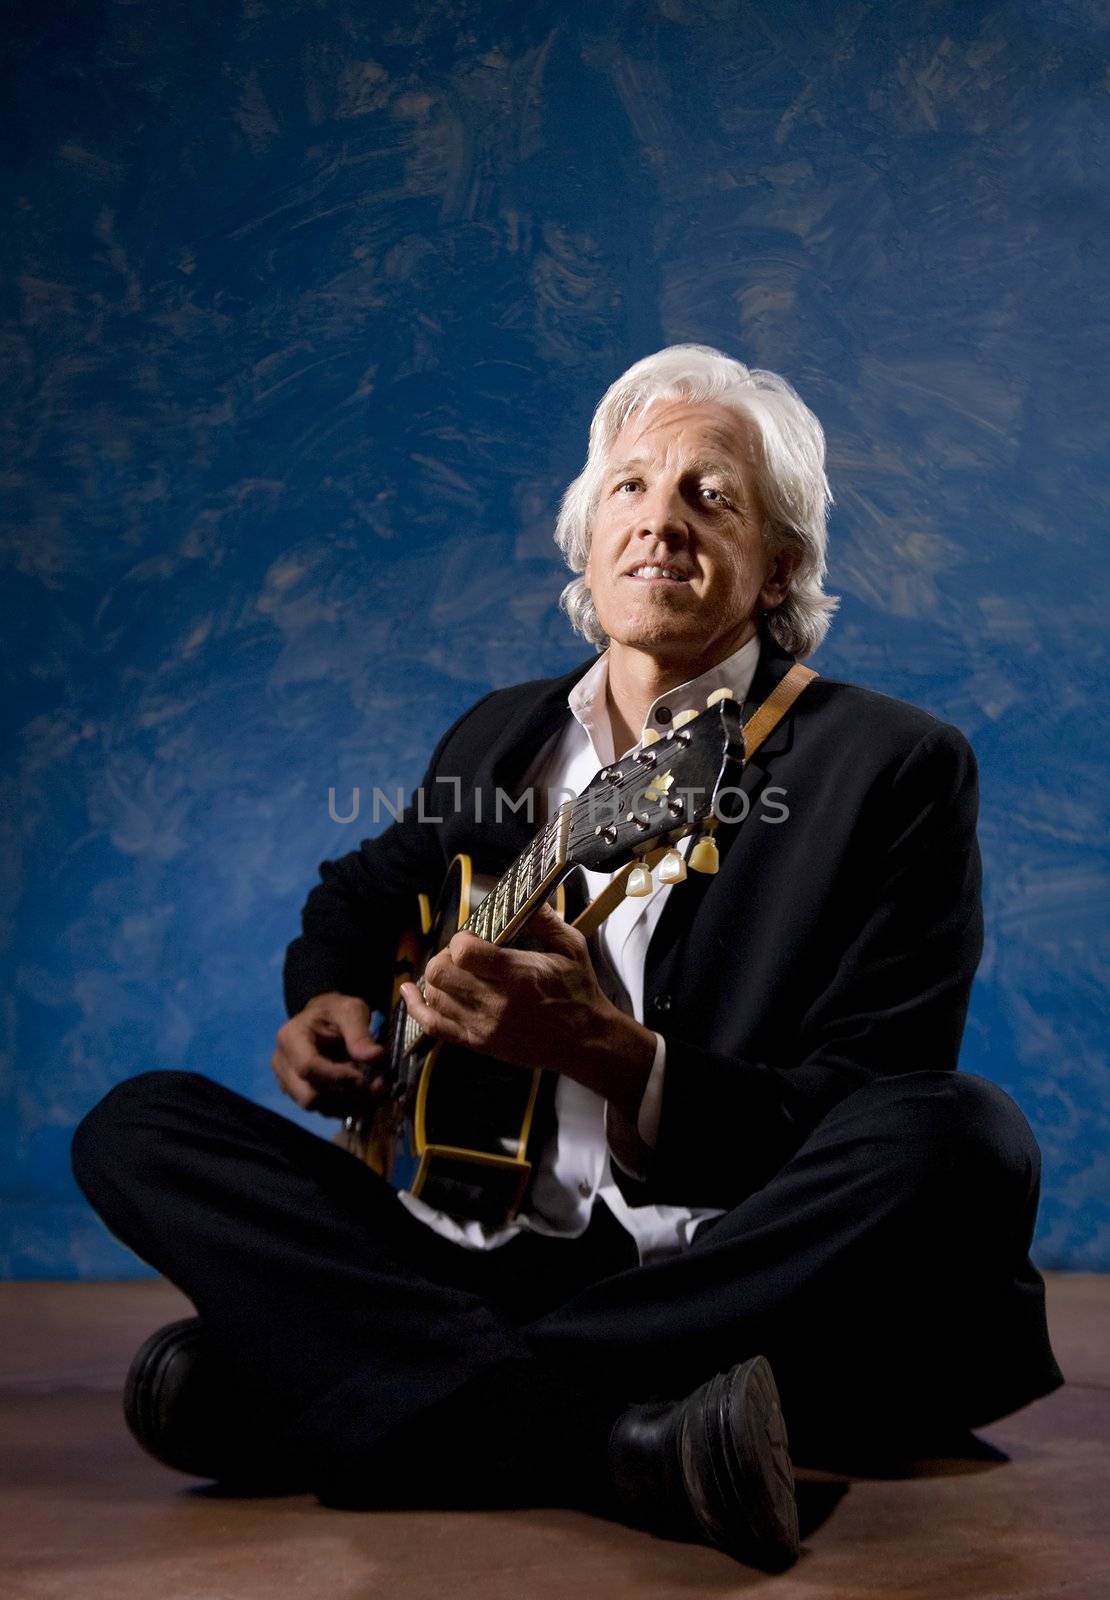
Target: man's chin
659, 636
674, 638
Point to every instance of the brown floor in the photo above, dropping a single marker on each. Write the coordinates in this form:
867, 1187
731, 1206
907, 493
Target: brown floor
84, 1513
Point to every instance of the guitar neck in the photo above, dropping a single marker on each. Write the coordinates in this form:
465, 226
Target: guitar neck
518, 891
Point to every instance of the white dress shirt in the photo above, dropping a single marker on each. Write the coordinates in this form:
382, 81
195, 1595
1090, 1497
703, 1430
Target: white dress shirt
574, 1169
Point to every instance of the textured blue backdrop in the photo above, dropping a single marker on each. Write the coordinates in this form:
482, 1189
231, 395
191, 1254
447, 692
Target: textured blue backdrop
305, 310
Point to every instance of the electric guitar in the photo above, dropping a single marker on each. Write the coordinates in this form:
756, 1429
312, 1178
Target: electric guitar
469, 1119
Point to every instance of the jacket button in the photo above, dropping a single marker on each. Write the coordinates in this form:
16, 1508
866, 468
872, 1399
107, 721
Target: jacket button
662, 1002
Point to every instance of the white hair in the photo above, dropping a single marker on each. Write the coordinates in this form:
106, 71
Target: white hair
789, 479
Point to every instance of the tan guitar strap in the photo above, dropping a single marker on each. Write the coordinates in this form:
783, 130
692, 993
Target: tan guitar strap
756, 729
775, 707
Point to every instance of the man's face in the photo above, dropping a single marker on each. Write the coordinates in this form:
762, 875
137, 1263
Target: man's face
678, 494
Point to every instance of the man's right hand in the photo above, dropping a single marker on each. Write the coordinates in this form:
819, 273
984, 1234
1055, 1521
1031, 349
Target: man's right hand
325, 1056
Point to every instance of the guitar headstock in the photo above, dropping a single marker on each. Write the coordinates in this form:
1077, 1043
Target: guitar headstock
659, 792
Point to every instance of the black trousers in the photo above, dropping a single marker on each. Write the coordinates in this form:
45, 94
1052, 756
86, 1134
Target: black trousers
884, 1272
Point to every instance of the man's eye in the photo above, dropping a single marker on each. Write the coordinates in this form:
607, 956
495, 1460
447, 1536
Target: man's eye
628, 483
720, 499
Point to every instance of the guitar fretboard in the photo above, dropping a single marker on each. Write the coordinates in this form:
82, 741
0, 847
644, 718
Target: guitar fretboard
516, 891
517, 887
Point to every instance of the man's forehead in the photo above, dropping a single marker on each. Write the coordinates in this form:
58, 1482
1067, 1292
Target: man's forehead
705, 431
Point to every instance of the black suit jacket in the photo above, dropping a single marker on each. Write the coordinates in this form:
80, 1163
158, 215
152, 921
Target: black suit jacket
835, 944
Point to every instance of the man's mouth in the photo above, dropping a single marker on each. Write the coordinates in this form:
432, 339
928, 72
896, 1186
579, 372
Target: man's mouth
647, 573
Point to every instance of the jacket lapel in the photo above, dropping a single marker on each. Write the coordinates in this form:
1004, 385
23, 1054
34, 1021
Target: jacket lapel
682, 907
773, 665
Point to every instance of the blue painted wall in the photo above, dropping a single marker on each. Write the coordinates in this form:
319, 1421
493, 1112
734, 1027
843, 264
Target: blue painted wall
305, 311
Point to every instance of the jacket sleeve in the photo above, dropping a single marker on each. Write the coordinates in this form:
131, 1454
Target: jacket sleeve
895, 1002
353, 918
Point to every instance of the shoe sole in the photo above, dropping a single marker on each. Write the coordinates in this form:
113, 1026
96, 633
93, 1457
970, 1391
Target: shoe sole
745, 1502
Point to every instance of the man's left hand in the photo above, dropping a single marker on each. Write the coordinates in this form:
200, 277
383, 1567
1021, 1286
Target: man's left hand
535, 1008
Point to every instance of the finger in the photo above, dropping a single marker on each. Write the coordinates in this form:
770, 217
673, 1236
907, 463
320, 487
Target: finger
306, 1077
352, 1017
448, 978
332, 1075
309, 1038
299, 1070
302, 1094
449, 1004
555, 934
299, 1050
488, 963
298, 1040
443, 1019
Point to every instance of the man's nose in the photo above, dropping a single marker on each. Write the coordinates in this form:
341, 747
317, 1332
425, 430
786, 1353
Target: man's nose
662, 511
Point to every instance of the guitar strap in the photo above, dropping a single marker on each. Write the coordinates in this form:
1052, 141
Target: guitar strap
756, 729
775, 707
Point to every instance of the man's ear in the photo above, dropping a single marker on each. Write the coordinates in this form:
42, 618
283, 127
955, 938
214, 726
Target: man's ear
780, 575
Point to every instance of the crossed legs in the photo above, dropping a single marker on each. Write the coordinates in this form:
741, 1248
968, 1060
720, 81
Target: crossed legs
884, 1272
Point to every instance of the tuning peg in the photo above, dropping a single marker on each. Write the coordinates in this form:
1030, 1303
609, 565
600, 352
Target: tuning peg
719, 694
704, 857
651, 736
672, 868
683, 718
638, 882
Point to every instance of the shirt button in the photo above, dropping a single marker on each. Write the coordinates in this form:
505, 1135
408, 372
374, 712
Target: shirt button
585, 1188
662, 713
662, 1002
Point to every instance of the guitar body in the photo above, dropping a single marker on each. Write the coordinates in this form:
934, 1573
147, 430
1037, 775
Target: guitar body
469, 1118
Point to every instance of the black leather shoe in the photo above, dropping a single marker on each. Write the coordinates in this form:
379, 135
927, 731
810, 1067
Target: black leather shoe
713, 1467
189, 1412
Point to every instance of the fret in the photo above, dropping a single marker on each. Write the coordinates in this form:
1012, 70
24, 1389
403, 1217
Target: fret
562, 833
500, 919
520, 881
412, 1032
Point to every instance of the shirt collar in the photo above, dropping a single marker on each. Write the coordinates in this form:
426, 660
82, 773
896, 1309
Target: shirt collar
587, 698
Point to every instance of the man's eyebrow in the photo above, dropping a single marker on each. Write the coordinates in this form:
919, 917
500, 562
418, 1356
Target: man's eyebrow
630, 465
719, 467
717, 464
714, 466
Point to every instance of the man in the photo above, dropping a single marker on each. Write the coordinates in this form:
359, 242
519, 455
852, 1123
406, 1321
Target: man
761, 1159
